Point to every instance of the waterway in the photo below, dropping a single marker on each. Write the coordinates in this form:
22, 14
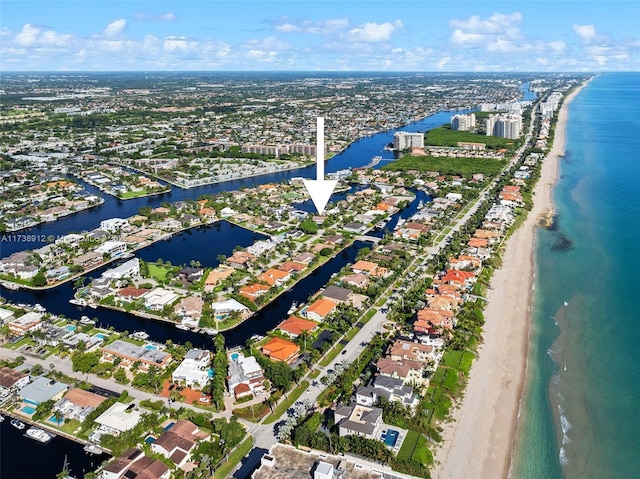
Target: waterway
204, 245
22, 457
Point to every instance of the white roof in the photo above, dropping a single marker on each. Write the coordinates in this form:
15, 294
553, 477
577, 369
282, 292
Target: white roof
117, 417
228, 305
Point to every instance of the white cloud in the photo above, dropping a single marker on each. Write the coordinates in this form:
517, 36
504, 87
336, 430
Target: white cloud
32, 36
498, 23
115, 28
587, 33
374, 32
162, 17
322, 27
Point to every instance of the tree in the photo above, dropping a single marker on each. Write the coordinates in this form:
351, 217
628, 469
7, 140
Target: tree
37, 370
308, 227
39, 279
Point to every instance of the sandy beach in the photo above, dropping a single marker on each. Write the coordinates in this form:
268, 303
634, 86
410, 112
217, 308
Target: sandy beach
478, 442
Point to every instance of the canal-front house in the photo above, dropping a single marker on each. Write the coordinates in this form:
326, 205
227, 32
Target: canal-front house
11, 381
117, 419
279, 349
41, 389
78, 404
245, 376
30, 321
131, 353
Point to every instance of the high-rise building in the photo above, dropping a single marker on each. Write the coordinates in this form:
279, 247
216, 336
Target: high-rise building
403, 140
504, 126
463, 122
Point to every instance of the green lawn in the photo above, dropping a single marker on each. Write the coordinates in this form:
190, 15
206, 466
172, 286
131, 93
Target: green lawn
408, 446
234, 458
157, 272
292, 397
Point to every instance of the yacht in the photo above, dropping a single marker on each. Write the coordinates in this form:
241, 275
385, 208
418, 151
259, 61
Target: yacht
86, 320
140, 335
1, 418
184, 327
39, 434
293, 308
92, 449
17, 424
78, 302
210, 331
10, 285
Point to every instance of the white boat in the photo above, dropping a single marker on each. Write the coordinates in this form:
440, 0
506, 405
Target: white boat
1, 418
184, 327
566, 304
38, 308
293, 308
17, 424
210, 331
78, 302
86, 320
39, 434
140, 335
421, 205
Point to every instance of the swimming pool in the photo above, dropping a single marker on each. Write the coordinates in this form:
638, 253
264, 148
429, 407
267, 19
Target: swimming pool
28, 410
234, 356
150, 347
55, 421
71, 327
391, 438
99, 335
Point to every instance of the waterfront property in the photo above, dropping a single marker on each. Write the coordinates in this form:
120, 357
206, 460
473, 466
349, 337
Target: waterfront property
11, 381
78, 404
131, 353
118, 418
132, 463
281, 350
42, 389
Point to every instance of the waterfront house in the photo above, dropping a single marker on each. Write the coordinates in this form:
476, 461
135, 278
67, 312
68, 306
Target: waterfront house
228, 306
113, 225
401, 349
118, 418
130, 293
320, 309
87, 260
358, 420
30, 321
190, 308
294, 326
357, 280
11, 381
279, 349
157, 298
42, 389
130, 353
253, 291
407, 370
6, 315
240, 259
292, 267
193, 371
304, 258
78, 404
274, 277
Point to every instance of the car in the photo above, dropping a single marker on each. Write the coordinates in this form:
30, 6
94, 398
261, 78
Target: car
344, 351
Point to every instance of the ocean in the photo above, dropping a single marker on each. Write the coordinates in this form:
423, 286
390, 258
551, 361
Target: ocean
580, 412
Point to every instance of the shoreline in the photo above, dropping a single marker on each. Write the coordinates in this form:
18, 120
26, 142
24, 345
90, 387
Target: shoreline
478, 442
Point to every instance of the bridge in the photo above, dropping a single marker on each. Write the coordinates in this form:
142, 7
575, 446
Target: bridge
370, 239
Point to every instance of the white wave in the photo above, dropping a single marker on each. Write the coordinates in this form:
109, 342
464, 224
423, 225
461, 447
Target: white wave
563, 457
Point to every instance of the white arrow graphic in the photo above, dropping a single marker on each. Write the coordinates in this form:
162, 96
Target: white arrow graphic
320, 189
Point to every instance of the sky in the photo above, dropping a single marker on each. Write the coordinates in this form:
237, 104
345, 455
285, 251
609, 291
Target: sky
314, 35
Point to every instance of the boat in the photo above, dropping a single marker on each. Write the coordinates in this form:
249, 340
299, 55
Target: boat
421, 205
86, 320
92, 449
38, 308
210, 331
78, 302
10, 285
183, 327
293, 308
17, 424
1, 418
140, 335
39, 434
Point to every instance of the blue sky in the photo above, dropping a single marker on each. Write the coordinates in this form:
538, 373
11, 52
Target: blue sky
372, 35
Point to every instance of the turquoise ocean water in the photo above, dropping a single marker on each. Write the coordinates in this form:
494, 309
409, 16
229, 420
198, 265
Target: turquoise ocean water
580, 413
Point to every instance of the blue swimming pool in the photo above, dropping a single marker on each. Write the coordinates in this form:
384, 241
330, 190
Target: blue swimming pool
150, 346
391, 437
234, 356
55, 421
99, 335
71, 327
28, 410
169, 426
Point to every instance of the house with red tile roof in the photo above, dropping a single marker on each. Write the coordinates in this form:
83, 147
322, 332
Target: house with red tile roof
279, 349
274, 277
294, 326
292, 267
320, 309
253, 291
